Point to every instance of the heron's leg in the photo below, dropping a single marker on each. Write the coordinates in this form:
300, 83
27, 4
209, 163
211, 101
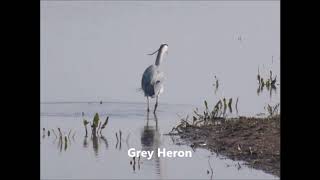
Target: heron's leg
156, 119
147, 118
156, 105
148, 104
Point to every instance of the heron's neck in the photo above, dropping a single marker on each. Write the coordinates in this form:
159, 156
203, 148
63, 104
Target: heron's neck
159, 58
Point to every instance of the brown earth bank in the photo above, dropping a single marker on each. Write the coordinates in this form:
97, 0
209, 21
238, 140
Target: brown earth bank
253, 140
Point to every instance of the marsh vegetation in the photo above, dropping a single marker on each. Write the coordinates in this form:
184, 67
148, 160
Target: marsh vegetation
255, 140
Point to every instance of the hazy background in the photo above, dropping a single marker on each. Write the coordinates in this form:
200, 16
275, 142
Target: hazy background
92, 51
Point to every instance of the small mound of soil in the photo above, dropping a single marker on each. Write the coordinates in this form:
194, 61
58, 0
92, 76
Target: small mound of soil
250, 139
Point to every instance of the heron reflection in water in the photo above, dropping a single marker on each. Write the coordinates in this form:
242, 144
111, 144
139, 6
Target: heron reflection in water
150, 141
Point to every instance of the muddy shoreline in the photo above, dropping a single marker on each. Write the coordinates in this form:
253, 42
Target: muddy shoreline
253, 140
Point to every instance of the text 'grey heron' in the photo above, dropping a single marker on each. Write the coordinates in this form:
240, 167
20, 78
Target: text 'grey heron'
152, 78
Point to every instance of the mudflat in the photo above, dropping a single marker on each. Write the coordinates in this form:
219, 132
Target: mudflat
253, 140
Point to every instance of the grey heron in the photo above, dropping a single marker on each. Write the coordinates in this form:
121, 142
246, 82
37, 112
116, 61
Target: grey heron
152, 78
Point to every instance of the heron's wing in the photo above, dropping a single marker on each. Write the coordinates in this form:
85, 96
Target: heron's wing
158, 80
152, 81
147, 80
147, 76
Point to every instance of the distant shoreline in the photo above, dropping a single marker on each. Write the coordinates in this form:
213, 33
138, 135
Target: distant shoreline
113, 101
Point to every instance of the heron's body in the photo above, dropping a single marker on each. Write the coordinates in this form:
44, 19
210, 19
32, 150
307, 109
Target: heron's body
152, 78
152, 81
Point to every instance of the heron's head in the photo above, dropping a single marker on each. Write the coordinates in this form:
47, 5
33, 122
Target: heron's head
163, 49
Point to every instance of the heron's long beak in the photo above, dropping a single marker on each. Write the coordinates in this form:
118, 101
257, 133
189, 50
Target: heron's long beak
154, 52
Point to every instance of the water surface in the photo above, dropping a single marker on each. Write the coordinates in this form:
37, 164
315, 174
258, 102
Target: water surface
104, 158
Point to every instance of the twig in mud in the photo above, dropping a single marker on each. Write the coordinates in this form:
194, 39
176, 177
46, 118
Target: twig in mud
230, 105
206, 104
237, 104
199, 115
224, 107
198, 122
239, 148
273, 110
224, 103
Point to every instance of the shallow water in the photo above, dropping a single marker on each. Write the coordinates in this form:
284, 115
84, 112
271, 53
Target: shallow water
104, 158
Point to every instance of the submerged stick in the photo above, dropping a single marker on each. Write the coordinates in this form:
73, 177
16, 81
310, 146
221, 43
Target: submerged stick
127, 140
237, 104
105, 141
60, 134
230, 105
258, 76
104, 124
54, 133
85, 123
65, 143
117, 140
120, 138
117, 136
210, 168
69, 134
134, 163
99, 127
44, 133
